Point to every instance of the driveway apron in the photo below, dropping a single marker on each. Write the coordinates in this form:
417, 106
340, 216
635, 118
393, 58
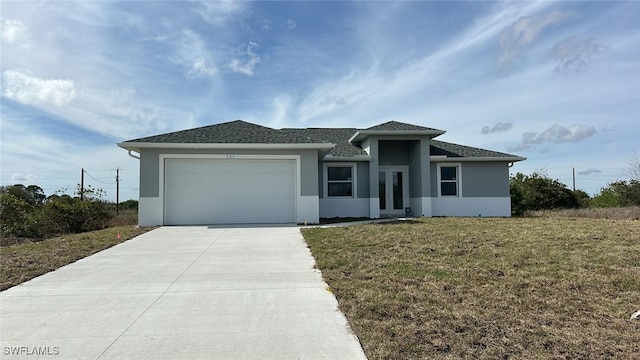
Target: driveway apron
193, 292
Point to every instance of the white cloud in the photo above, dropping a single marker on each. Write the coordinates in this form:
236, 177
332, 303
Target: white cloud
220, 12
499, 127
559, 134
13, 31
246, 63
290, 24
199, 69
192, 53
22, 87
574, 55
30, 178
515, 37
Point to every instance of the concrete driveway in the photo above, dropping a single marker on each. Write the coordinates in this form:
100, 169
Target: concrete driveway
182, 292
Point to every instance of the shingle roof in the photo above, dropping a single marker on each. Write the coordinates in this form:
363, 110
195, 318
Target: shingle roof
399, 126
338, 136
242, 132
233, 132
456, 150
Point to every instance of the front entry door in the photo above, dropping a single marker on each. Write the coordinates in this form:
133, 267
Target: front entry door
393, 185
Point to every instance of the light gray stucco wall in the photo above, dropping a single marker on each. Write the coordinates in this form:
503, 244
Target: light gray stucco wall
479, 179
485, 179
149, 167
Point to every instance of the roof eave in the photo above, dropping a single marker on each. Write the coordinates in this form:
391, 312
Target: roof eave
136, 146
480, 158
347, 158
363, 134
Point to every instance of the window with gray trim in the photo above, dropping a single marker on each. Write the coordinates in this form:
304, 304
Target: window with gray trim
340, 181
449, 180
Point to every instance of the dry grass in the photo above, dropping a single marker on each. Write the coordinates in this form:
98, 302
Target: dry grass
25, 261
125, 217
487, 288
623, 213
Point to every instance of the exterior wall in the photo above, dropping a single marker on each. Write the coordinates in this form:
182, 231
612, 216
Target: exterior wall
358, 206
485, 179
151, 209
339, 207
420, 178
472, 206
150, 163
484, 191
370, 145
393, 152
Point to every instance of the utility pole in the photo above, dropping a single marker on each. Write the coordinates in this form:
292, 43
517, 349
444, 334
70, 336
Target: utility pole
82, 185
574, 179
117, 191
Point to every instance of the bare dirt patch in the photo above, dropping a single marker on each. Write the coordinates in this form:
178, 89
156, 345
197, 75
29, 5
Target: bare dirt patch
487, 288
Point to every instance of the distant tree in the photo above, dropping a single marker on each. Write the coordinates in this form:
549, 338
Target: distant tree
583, 198
618, 193
633, 171
129, 204
606, 198
539, 192
32, 194
628, 192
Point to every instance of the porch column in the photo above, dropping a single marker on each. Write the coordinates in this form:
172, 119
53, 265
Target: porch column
425, 170
371, 146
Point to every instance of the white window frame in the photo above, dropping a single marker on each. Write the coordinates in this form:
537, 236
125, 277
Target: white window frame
458, 180
354, 179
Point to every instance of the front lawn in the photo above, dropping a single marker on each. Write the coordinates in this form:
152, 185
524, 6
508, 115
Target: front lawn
487, 288
25, 261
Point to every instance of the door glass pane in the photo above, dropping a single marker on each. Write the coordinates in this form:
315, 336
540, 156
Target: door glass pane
382, 190
397, 190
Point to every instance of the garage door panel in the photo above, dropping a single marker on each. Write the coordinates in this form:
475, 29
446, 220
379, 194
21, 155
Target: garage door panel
210, 191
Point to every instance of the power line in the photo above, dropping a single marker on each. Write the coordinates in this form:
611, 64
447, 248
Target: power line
100, 181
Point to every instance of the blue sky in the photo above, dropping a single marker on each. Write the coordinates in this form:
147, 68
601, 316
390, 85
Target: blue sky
556, 82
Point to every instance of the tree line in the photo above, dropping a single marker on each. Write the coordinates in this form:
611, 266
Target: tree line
539, 192
27, 212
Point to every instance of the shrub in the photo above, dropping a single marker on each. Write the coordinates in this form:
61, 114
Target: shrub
539, 192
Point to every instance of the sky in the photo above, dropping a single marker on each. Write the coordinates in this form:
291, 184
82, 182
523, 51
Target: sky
557, 82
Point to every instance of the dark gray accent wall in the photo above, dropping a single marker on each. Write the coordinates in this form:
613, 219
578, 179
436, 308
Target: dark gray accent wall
149, 167
434, 179
479, 179
393, 152
363, 180
415, 169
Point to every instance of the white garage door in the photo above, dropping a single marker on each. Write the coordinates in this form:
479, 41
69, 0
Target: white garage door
229, 191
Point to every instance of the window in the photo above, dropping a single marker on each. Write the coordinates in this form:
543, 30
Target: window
340, 180
449, 179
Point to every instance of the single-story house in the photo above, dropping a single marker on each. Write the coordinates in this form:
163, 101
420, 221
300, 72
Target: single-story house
239, 172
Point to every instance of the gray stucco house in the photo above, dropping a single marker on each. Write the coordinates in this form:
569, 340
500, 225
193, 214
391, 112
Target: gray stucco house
239, 172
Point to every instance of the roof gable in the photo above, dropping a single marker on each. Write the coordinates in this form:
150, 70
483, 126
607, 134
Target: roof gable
400, 126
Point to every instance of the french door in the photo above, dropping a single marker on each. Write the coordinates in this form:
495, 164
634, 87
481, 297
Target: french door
393, 187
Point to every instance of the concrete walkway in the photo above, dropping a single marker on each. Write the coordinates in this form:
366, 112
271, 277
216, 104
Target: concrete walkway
181, 293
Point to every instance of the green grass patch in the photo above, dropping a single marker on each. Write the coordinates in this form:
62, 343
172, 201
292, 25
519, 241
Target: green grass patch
487, 288
28, 260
